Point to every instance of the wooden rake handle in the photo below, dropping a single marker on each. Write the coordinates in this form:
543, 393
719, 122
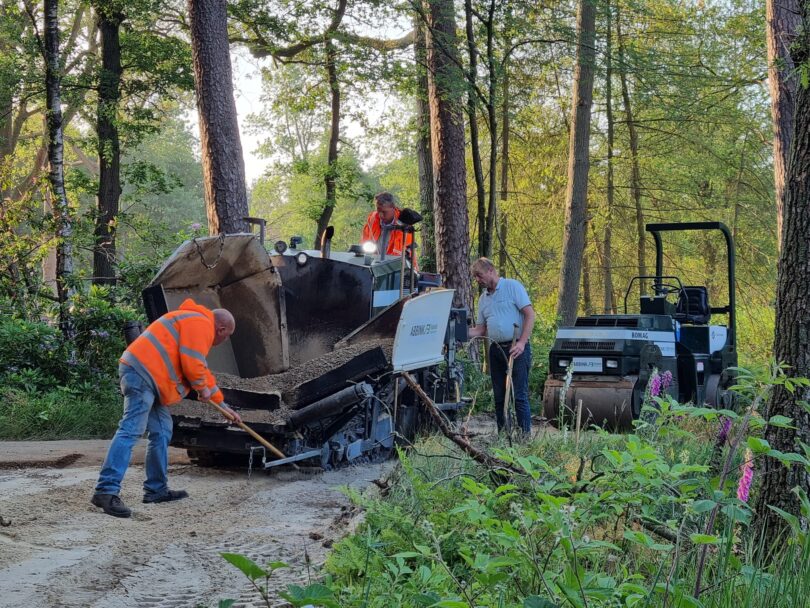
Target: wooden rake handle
248, 430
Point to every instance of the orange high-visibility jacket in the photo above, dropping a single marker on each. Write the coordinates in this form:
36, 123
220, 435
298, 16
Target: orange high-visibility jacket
373, 229
172, 352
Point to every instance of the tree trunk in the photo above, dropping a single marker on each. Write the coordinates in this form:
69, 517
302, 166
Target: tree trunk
223, 164
781, 25
504, 223
109, 153
792, 335
492, 118
56, 174
576, 195
447, 144
472, 115
587, 304
609, 303
330, 179
425, 164
635, 174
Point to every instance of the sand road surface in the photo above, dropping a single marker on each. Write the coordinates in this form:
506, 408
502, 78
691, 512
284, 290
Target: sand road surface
61, 551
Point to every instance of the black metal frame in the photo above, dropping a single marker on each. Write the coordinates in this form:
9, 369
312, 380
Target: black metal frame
729, 309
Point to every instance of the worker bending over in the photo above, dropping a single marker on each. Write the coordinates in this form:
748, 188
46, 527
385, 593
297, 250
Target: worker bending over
158, 369
505, 315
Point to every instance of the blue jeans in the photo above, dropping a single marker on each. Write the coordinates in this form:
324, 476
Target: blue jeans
142, 413
498, 366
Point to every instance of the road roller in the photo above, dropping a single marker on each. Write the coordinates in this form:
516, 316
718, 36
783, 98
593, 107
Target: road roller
600, 368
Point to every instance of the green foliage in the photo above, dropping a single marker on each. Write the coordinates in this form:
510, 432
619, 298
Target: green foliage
80, 411
601, 520
314, 594
51, 387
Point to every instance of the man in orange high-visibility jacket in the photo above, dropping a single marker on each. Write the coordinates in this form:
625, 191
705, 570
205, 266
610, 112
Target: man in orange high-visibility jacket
386, 214
158, 369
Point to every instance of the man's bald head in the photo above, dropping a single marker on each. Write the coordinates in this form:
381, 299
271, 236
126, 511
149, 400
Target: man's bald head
224, 325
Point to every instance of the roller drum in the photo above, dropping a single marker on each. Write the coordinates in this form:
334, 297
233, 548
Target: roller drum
607, 404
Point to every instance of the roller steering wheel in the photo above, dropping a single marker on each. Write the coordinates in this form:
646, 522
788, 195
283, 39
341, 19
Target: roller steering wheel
665, 289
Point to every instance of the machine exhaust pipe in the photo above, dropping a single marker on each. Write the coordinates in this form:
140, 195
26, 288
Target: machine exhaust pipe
331, 405
326, 241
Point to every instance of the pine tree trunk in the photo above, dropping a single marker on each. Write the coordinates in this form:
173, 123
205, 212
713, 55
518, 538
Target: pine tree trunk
223, 164
447, 143
609, 303
109, 153
492, 119
576, 195
504, 218
330, 180
472, 116
781, 26
587, 304
635, 172
424, 161
792, 335
56, 174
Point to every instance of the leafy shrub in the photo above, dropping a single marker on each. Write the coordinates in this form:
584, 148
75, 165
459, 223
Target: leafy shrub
598, 520
54, 388
98, 323
31, 354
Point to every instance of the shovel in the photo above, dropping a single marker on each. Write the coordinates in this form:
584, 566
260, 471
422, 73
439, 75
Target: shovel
507, 393
273, 449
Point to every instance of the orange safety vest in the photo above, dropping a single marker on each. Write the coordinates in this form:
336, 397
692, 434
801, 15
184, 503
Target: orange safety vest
373, 229
172, 352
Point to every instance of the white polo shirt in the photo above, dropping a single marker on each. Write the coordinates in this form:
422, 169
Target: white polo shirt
500, 310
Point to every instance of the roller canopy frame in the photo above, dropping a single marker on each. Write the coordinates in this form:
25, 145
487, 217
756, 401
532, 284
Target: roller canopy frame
731, 308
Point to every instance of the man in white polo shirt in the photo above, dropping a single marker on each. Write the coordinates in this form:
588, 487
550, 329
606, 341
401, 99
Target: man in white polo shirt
504, 310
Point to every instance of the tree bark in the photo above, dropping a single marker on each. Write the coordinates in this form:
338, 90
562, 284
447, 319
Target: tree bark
472, 116
492, 119
504, 196
576, 195
587, 302
447, 144
635, 172
423, 158
56, 174
781, 25
223, 164
109, 153
330, 179
792, 335
609, 302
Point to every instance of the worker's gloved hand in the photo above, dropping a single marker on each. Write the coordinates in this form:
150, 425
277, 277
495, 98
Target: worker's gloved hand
235, 418
517, 349
204, 394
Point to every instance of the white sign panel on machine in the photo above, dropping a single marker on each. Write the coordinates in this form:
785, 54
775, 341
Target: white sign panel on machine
419, 341
587, 365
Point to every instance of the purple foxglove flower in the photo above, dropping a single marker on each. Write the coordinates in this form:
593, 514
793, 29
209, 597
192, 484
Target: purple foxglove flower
746, 478
655, 386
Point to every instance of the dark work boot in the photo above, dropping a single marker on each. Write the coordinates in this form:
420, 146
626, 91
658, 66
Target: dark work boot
111, 505
167, 497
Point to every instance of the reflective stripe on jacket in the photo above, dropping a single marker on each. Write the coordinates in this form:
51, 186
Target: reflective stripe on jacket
373, 229
173, 350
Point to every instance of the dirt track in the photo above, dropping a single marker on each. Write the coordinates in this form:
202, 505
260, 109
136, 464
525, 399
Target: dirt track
61, 551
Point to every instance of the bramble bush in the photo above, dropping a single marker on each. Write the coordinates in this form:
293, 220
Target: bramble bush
651, 518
